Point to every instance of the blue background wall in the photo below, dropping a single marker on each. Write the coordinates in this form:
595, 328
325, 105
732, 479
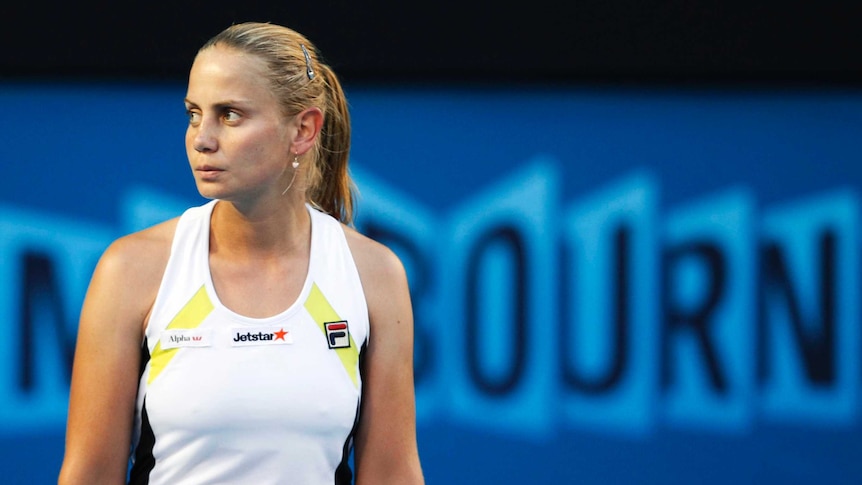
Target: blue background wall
508, 205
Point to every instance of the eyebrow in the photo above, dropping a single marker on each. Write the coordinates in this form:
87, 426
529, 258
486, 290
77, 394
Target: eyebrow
219, 105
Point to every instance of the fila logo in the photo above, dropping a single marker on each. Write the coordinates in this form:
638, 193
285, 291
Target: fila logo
337, 334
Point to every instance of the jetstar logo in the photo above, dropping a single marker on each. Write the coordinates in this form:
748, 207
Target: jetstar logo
260, 336
254, 337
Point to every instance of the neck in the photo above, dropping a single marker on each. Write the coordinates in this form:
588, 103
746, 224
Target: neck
261, 232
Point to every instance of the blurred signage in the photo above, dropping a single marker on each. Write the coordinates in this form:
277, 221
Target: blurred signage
602, 313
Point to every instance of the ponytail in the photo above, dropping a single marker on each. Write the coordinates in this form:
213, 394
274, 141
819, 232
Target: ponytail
334, 191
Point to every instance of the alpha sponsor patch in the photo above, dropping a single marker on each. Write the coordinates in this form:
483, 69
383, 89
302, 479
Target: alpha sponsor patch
173, 338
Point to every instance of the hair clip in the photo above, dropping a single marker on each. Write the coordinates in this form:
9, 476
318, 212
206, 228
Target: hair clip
308, 70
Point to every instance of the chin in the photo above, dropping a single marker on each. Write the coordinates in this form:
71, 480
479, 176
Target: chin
209, 192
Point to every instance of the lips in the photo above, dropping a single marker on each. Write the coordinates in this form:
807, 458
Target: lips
208, 168
208, 171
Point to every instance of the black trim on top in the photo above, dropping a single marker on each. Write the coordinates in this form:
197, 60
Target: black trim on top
344, 474
144, 461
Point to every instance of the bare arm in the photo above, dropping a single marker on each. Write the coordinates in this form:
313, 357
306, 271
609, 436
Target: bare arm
107, 359
386, 448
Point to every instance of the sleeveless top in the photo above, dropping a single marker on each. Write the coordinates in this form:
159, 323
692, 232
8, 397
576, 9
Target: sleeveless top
224, 398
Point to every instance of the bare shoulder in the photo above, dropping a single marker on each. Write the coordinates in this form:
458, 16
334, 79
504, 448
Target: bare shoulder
374, 260
131, 268
141, 253
384, 282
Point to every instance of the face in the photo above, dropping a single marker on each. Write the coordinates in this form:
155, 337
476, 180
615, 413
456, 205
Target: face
237, 141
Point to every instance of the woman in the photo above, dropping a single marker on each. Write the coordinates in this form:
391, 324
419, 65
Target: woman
275, 337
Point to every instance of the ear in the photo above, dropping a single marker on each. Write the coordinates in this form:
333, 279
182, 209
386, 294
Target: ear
308, 125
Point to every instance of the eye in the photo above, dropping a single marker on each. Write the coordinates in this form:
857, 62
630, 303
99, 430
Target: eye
231, 116
194, 117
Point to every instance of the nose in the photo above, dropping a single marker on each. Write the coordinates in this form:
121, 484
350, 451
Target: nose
203, 138
204, 144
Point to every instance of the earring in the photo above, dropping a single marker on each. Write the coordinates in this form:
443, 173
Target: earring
293, 179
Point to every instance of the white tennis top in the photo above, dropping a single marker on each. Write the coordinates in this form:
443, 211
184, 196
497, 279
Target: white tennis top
224, 398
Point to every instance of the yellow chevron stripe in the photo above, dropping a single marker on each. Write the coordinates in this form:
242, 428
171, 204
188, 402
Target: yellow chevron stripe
321, 311
190, 316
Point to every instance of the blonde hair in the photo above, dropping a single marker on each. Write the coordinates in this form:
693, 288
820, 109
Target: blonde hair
300, 82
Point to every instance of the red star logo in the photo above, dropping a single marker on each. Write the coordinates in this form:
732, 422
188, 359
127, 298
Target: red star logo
280, 334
